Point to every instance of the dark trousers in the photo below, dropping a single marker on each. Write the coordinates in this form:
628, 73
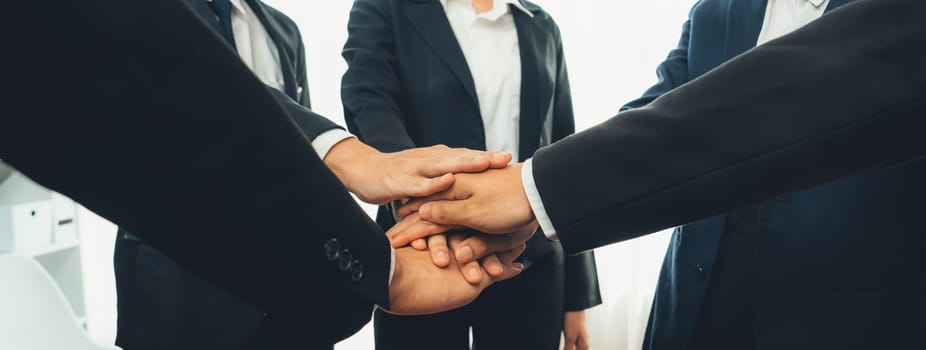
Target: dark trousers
525, 312
162, 305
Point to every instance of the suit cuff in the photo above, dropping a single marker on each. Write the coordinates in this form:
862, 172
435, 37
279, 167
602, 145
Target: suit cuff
326, 140
533, 197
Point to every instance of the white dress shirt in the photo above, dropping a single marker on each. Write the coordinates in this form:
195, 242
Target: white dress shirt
781, 17
258, 51
489, 41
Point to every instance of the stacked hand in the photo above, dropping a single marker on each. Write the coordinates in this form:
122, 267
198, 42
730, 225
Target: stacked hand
492, 203
426, 282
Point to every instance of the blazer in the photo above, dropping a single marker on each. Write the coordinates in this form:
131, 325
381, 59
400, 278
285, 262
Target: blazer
165, 132
813, 291
408, 85
161, 304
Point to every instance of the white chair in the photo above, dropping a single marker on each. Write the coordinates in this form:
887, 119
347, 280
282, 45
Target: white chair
34, 314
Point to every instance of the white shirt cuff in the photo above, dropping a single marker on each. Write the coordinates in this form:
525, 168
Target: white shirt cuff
391, 264
324, 141
533, 197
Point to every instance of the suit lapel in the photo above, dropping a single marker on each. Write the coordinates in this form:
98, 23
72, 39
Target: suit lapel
429, 20
744, 23
531, 103
285, 51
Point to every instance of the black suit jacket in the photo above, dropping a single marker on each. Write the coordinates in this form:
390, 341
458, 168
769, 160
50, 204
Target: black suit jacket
408, 85
161, 304
143, 114
844, 94
848, 252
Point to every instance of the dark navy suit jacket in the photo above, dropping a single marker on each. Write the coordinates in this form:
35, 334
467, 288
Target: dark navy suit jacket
840, 266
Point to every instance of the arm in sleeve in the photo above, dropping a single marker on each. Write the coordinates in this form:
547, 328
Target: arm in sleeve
166, 133
844, 94
370, 89
582, 290
672, 72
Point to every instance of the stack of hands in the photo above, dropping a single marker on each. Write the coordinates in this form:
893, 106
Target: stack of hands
465, 219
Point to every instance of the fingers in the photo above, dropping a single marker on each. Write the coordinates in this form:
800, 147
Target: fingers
457, 212
440, 253
412, 206
492, 265
419, 244
412, 228
511, 271
420, 187
460, 160
480, 245
509, 257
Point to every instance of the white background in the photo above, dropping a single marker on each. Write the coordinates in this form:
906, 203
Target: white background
612, 49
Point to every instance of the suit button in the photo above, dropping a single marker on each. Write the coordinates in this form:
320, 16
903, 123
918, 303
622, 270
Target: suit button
701, 271
332, 249
346, 260
356, 271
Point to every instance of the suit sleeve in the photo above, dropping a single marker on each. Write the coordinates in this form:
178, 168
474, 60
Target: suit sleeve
844, 94
302, 75
144, 116
672, 73
370, 89
582, 291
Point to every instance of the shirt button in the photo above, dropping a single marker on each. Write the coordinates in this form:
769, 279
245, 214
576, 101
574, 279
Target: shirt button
356, 271
332, 249
346, 260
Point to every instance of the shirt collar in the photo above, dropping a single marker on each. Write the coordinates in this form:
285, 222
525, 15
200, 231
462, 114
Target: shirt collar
516, 3
236, 4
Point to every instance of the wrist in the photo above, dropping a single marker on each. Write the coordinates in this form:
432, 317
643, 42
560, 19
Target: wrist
348, 158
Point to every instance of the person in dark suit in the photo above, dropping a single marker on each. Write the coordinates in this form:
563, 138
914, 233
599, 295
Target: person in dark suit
785, 274
161, 305
844, 95
482, 75
164, 131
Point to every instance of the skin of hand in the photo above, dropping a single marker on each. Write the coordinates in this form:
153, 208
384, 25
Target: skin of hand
440, 247
493, 202
378, 178
575, 333
418, 287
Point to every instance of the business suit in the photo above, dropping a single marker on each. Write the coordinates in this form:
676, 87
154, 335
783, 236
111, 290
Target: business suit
169, 135
410, 86
799, 284
183, 60
162, 305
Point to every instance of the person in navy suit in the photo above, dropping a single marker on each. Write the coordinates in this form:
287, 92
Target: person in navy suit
838, 266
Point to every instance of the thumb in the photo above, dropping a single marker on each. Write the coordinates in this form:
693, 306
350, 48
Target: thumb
448, 212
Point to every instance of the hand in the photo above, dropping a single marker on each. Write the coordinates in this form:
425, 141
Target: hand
575, 333
492, 202
419, 287
440, 247
378, 178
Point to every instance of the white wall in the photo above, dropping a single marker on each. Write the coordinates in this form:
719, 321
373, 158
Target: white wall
612, 49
